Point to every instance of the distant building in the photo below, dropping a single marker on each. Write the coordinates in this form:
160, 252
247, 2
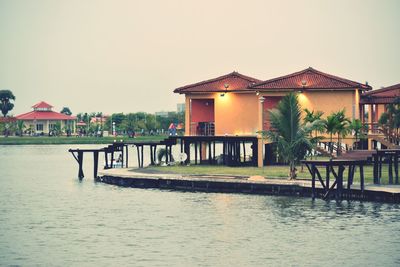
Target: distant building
99, 120
180, 107
43, 119
162, 114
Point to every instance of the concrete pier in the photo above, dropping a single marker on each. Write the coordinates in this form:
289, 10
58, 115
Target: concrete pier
241, 184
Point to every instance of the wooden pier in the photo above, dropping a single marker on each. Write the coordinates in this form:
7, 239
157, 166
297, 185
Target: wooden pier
233, 149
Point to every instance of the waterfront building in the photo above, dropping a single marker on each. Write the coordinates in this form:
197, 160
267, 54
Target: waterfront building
43, 119
373, 104
236, 104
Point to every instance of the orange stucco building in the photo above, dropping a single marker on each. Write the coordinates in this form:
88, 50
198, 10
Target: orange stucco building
235, 104
373, 104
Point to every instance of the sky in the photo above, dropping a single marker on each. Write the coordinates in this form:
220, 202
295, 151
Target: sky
128, 56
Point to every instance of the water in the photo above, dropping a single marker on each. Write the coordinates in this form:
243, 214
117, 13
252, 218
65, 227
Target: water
49, 218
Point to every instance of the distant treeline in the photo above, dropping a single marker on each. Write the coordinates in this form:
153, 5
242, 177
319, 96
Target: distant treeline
139, 122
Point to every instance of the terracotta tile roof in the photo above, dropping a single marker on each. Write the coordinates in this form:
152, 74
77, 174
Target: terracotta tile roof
44, 115
384, 95
390, 91
235, 80
42, 104
312, 79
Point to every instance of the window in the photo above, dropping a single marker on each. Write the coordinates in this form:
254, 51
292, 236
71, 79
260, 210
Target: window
39, 127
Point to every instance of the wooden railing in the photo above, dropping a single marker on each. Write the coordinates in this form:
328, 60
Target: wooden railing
202, 128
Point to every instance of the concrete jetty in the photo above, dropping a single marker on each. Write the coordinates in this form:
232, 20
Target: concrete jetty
241, 184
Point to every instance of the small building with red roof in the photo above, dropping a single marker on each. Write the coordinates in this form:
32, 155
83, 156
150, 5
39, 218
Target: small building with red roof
42, 119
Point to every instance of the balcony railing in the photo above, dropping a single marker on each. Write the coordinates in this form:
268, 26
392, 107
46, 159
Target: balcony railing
202, 128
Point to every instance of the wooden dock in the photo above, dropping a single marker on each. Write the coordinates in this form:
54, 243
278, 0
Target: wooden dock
243, 184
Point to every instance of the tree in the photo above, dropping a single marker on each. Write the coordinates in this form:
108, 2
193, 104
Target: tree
313, 119
20, 127
292, 137
6, 96
330, 128
66, 111
358, 129
341, 127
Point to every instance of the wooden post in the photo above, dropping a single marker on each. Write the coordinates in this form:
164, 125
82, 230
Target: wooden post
362, 176
155, 153
376, 176
390, 157
126, 164
244, 151
339, 185
396, 167
151, 155
106, 159
80, 162
214, 161
112, 158
195, 152
313, 181
142, 147
138, 155
95, 162
255, 153
327, 170
209, 153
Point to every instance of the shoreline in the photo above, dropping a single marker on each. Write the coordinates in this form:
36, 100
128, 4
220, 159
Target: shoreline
72, 140
240, 185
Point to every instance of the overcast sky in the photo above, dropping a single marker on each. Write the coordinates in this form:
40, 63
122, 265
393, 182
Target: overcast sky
128, 56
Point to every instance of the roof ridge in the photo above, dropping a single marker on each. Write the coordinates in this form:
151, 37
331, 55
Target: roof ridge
281, 77
234, 73
340, 79
384, 89
310, 69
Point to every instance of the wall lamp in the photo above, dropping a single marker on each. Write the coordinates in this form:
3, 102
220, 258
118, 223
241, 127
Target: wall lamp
226, 89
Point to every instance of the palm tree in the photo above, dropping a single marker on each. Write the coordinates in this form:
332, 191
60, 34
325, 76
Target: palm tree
5, 105
330, 128
313, 119
341, 127
292, 138
358, 129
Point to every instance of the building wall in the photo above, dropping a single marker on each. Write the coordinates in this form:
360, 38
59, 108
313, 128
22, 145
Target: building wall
235, 113
239, 113
46, 125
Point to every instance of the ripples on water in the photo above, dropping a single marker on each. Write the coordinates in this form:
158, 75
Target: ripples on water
48, 217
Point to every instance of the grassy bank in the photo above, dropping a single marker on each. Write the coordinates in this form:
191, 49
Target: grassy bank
46, 140
268, 171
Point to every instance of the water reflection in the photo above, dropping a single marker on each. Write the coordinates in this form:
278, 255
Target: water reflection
48, 217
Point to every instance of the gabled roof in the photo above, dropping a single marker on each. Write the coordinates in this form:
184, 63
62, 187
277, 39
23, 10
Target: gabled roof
235, 80
312, 79
390, 91
42, 104
384, 95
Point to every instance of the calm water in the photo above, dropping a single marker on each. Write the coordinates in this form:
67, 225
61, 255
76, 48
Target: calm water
48, 217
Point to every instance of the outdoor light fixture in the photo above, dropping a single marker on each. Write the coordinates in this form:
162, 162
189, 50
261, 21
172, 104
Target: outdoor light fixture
226, 89
258, 93
304, 83
262, 99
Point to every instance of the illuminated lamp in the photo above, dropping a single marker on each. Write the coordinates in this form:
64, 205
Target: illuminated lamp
226, 89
